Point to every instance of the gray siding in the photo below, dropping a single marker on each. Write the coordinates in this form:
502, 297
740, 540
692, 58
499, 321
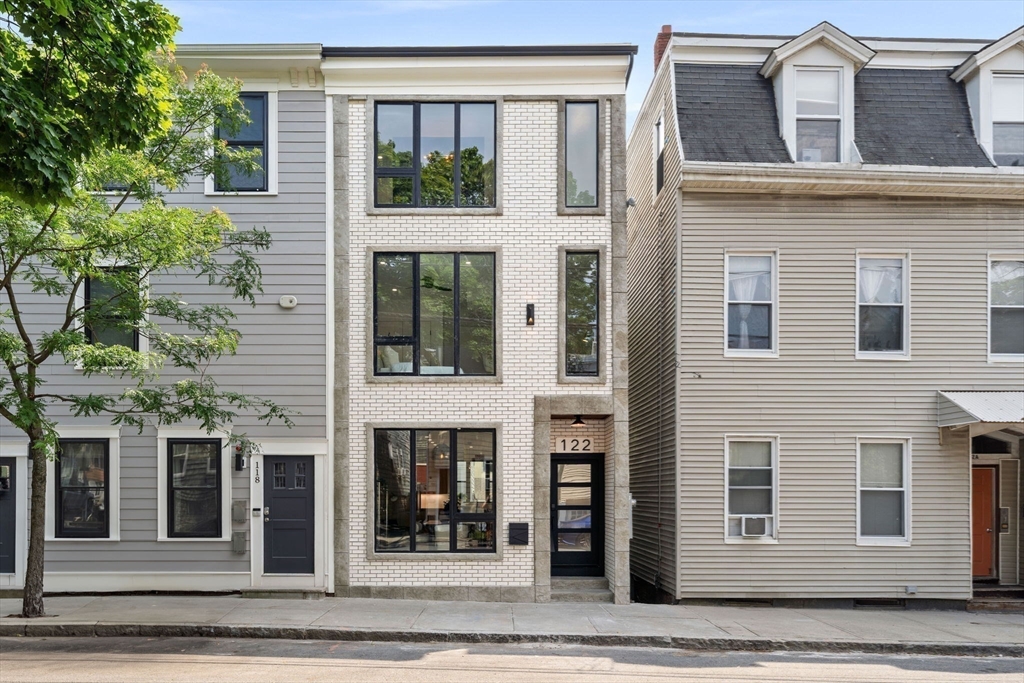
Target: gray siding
1008, 491
819, 398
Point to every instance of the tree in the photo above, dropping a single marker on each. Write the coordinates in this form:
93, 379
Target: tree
118, 243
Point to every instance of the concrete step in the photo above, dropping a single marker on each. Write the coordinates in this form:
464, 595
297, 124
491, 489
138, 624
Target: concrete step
285, 593
583, 595
577, 582
995, 605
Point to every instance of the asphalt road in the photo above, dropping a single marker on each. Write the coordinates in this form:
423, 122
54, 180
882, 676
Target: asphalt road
155, 660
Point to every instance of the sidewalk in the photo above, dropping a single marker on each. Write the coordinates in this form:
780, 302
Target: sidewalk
693, 627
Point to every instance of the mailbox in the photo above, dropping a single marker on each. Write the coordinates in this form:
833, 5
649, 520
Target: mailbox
519, 533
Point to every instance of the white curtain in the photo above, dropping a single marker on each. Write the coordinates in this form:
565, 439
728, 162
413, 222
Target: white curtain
749, 280
881, 281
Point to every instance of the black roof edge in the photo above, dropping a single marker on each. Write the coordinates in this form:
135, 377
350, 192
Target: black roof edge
858, 38
483, 51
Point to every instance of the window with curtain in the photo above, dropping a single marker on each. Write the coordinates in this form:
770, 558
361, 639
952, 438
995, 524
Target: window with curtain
751, 484
1006, 308
818, 115
82, 489
882, 494
751, 299
881, 315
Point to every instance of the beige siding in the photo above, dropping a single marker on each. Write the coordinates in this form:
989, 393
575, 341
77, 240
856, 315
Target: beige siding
652, 344
818, 398
1009, 471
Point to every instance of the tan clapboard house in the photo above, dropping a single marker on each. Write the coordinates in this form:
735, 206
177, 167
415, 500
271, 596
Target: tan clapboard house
826, 318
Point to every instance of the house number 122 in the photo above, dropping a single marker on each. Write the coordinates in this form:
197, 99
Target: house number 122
576, 445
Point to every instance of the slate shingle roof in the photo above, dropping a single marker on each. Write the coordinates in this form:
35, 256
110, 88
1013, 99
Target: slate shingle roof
915, 117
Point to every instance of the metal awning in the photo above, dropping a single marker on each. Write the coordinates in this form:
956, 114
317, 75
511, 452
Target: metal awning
981, 411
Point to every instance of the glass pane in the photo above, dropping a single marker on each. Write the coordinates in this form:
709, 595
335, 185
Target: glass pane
433, 464
109, 302
394, 359
82, 463
574, 495
195, 512
574, 519
1007, 283
112, 336
742, 477
437, 152
817, 93
394, 137
394, 191
750, 454
476, 158
476, 314
1008, 99
881, 281
581, 313
1008, 330
392, 460
750, 501
474, 482
194, 465
1008, 144
234, 178
83, 511
394, 299
750, 278
881, 465
581, 154
280, 478
574, 474
881, 328
300, 475
475, 536
253, 131
437, 314
573, 543
881, 513
817, 141
750, 326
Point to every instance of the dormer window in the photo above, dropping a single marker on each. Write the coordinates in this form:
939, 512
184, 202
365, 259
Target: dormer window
818, 115
1008, 119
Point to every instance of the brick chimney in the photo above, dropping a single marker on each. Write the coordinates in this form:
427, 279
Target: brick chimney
660, 43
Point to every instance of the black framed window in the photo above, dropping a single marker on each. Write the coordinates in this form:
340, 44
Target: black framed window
435, 154
435, 490
433, 313
582, 314
110, 303
252, 136
581, 150
82, 489
194, 488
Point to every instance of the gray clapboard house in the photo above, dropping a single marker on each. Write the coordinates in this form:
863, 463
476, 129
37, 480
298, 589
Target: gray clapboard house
826, 318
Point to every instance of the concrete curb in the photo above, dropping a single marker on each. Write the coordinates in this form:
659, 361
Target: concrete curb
44, 630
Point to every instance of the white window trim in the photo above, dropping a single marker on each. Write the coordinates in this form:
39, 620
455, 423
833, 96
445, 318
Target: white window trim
113, 435
268, 86
989, 135
773, 439
883, 355
905, 540
841, 156
80, 302
752, 353
165, 433
997, 357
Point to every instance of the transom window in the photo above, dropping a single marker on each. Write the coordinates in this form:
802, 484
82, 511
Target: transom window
750, 293
882, 320
434, 313
111, 303
818, 119
434, 490
1008, 119
252, 137
194, 488
1006, 308
581, 149
750, 489
82, 489
883, 488
582, 304
435, 154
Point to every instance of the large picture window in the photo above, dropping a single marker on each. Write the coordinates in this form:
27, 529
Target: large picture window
434, 490
750, 304
82, 489
194, 488
251, 137
882, 322
434, 313
1006, 308
582, 305
436, 154
883, 491
111, 302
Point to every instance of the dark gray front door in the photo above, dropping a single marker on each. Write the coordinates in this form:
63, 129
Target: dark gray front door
8, 513
288, 527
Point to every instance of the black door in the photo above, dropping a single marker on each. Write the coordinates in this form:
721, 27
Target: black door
8, 513
577, 515
288, 529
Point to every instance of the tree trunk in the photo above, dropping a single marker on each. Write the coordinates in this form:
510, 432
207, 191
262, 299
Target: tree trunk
32, 598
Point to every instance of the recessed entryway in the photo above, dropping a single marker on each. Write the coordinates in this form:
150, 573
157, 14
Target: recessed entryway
984, 532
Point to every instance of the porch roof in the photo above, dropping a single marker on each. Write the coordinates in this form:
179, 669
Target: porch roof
982, 411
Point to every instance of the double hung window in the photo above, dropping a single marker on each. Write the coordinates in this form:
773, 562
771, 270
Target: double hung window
112, 301
1006, 309
434, 154
250, 137
750, 487
882, 322
434, 490
82, 489
751, 305
818, 118
1008, 119
194, 488
434, 313
581, 154
582, 316
883, 489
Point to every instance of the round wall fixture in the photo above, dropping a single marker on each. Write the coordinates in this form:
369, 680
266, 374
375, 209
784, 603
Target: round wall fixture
287, 301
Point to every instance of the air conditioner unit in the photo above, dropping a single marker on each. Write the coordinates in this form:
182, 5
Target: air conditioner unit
754, 526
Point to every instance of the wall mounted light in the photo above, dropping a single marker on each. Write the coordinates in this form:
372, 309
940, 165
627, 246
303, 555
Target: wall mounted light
529, 314
578, 422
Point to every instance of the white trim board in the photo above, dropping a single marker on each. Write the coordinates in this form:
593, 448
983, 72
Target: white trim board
108, 582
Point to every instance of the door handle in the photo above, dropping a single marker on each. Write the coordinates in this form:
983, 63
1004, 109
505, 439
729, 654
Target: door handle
266, 514
988, 530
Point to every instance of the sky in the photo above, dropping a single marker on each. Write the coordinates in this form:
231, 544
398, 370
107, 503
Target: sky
526, 22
